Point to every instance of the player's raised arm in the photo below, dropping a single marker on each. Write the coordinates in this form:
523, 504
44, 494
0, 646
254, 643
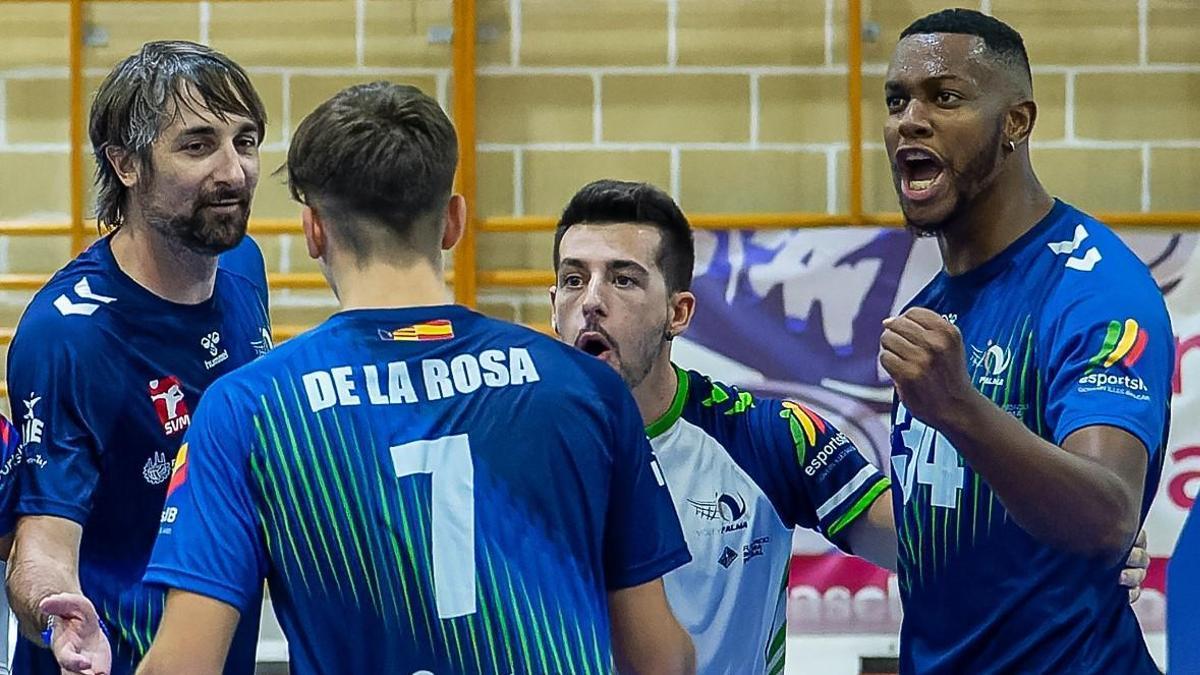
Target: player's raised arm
1083, 494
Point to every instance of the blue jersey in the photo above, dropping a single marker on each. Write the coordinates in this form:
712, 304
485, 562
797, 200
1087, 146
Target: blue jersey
744, 472
449, 492
104, 376
246, 260
1064, 329
11, 453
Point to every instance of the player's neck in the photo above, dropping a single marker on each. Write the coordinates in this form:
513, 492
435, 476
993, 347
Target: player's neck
996, 218
377, 285
655, 394
163, 267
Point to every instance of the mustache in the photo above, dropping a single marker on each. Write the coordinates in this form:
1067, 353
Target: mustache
224, 195
593, 327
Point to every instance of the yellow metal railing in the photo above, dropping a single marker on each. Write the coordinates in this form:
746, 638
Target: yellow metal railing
466, 275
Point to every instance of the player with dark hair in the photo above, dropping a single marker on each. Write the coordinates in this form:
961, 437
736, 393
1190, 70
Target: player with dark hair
1032, 380
112, 355
453, 492
743, 471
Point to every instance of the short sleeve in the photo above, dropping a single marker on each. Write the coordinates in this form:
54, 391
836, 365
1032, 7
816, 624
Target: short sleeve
208, 539
1108, 359
55, 403
642, 536
811, 471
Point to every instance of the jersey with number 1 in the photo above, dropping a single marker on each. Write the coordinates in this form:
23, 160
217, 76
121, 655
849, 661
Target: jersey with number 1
1064, 329
424, 489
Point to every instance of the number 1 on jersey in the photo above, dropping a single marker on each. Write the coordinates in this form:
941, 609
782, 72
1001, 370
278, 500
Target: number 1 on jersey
451, 469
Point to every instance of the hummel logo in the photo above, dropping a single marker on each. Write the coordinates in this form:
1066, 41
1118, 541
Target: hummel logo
1090, 257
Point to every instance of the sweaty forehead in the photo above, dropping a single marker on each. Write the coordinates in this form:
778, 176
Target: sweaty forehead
596, 243
928, 55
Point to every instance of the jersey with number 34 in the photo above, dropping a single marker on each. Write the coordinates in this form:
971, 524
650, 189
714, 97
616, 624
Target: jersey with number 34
1064, 329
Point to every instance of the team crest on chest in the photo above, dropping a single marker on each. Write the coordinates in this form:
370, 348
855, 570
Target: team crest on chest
157, 469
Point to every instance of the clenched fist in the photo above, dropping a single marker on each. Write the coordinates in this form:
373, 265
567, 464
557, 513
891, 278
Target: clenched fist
924, 355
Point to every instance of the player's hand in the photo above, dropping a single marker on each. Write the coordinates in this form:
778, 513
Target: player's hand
77, 641
923, 353
1134, 573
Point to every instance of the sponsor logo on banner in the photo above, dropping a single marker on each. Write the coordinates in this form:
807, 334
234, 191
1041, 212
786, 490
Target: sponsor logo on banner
167, 395
438, 329
1184, 485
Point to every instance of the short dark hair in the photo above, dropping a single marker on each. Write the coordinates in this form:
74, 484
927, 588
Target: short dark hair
1001, 39
612, 201
134, 105
382, 155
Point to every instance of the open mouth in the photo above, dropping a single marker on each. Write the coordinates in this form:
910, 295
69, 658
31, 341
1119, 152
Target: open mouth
920, 173
593, 343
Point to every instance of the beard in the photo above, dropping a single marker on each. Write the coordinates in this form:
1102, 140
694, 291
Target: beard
972, 180
645, 352
636, 358
203, 231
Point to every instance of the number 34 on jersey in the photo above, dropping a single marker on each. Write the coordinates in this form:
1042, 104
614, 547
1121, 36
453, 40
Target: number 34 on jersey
926, 458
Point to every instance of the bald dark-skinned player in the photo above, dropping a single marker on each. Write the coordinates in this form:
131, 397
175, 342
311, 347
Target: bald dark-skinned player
1032, 380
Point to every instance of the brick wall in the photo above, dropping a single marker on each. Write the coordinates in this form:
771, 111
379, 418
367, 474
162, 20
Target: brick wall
732, 105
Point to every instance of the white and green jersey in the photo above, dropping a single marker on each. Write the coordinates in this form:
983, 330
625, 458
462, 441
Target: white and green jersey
743, 472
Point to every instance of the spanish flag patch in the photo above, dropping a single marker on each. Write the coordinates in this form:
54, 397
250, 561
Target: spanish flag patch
180, 471
438, 329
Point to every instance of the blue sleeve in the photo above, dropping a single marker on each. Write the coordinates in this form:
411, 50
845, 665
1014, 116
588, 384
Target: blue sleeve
1108, 356
208, 539
812, 472
246, 260
642, 536
11, 452
63, 416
